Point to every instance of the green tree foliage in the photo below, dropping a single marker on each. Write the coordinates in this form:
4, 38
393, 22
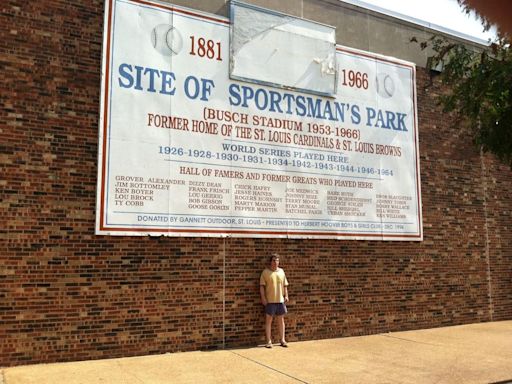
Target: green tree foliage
479, 89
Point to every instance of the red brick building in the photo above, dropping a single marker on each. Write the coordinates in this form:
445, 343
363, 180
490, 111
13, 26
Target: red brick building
67, 294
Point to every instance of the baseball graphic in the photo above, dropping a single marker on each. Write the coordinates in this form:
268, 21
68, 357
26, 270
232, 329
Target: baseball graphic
385, 85
166, 40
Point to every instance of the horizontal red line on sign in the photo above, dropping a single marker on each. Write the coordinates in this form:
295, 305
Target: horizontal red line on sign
248, 232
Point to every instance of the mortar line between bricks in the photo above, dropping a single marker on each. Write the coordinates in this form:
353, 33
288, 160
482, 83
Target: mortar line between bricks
269, 367
486, 227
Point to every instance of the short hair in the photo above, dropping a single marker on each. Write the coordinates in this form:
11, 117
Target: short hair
273, 256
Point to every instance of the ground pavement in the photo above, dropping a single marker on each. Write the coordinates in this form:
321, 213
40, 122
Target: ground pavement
475, 353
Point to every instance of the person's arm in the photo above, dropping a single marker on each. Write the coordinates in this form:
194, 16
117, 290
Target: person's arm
262, 295
285, 289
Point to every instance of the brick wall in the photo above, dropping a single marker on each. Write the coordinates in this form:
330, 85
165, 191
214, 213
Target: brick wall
66, 294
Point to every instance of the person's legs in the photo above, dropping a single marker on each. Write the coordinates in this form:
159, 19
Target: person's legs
281, 327
268, 328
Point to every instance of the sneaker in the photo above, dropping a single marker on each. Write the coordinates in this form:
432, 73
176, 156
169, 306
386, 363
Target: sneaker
284, 344
268, 345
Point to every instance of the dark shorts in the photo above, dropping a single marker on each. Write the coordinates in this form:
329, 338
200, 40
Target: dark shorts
275, 309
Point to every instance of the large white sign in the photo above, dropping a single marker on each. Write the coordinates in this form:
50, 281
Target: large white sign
185, 151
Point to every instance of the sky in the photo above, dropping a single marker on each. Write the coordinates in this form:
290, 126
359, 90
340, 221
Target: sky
445, 13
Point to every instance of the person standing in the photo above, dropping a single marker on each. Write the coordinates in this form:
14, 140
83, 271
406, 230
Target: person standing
274, 295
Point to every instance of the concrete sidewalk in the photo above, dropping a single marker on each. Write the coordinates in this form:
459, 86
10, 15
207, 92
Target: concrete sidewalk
476, 353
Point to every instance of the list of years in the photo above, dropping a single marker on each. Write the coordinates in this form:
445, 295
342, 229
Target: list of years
253, 156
